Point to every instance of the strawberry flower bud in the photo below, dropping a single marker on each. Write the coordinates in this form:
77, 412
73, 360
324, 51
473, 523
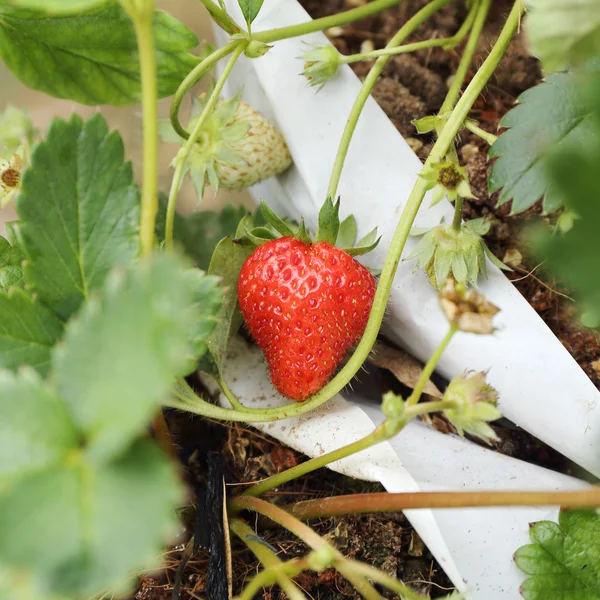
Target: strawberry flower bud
392, 406
467, 310
236, 149
17, 132
475, 404
447, 252
320, 65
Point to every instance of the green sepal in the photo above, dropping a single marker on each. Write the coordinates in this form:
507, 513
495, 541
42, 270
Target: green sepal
302, 235
329, 221
347, 233
274, 221
494, 260
365, 245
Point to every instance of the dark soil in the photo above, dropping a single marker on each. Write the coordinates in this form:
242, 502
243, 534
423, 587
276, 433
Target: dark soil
411, 87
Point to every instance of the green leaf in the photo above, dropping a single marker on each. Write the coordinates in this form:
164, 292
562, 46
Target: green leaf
574, 256
226, 263
91, 58
329, 222
250, 9
563, 33
200, 232
28, 332
36, 430
208, 296
564, 559
122, 352
80, 530
58, 6
550, 115
11, 271
347, 233
79, 209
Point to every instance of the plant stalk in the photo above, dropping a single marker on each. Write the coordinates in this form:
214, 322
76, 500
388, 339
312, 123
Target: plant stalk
192, 79
429, 367
187, 147
387, 430
467, 57
367, 87
143, 20
267, 557
343, 18
406, 48
386, 502
308, 536
490, 138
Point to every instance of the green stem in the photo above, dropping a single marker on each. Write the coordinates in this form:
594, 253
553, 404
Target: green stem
343, 18
391, 583
490, 138
268, 558
187, 147
458, 209
265, 578
387, 430
192, 79
335, 506
258, 489
367, 87
308, 536
235, 403
429, 368
453, 124
467, 57
144, 29
352, 58
220, 17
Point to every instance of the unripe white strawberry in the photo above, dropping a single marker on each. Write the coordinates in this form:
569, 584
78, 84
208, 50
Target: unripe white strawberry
237, 147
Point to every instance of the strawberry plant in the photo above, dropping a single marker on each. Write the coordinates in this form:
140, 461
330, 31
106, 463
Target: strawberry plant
110, 301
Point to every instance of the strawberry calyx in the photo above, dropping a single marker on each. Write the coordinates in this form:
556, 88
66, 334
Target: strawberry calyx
341, 234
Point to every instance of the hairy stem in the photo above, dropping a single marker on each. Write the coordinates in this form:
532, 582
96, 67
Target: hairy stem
490, 138
192, 79
429, 368
378, 435
343, 18
367, 87
434, 43
143, 19
386, 502
187, 147
265, 578
458, 210
267, 557
467, 57
235, 403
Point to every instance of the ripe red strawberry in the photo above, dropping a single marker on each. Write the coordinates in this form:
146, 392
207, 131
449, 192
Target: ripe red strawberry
305, 304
